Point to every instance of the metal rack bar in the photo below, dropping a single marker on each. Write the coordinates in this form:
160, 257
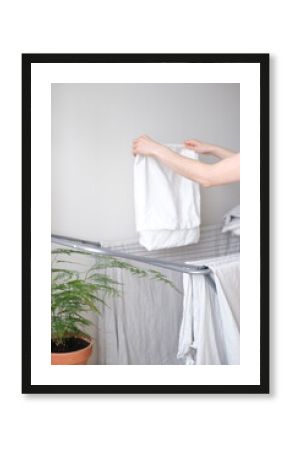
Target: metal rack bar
95, 247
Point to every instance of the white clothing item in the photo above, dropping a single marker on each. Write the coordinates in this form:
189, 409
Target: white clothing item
210, 328
167, 205
232, 221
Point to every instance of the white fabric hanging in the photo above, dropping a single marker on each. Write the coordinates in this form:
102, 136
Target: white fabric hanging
167, 205
210, 328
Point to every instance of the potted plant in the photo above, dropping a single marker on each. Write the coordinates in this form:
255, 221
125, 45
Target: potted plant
76, 289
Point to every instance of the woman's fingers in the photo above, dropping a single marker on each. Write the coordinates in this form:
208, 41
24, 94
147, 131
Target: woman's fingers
191, 143
144, 145
136, 145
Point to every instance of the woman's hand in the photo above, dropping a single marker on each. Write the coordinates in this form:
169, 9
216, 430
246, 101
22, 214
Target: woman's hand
198, 146
223, 172
210, 149
144, 145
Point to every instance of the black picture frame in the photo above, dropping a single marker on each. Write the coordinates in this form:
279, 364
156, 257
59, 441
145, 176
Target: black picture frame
263, 61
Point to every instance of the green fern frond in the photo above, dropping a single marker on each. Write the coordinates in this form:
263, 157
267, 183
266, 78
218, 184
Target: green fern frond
75, 293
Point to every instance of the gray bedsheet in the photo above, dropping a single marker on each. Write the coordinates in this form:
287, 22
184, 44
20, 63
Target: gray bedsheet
142, 326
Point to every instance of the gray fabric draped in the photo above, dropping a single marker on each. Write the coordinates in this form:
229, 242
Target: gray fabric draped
142, 325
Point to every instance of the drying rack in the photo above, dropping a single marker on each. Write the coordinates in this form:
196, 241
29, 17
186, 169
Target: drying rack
96, 247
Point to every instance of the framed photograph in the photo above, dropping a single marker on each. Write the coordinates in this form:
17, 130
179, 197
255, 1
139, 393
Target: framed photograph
145, 223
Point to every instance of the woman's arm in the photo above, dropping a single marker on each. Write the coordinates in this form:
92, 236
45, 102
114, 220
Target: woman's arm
205, 148
225, 171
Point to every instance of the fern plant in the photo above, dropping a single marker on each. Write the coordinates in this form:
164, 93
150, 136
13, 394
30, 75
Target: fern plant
75, 292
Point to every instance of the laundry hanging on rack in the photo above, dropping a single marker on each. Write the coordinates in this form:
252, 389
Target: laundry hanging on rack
143, 325
210, 328
167, 205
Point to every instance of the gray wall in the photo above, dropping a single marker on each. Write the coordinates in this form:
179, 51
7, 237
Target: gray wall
93, 126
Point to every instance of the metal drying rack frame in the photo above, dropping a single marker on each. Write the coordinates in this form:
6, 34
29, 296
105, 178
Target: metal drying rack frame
96, 247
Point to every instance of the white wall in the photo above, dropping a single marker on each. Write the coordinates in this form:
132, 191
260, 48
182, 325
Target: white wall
93, 126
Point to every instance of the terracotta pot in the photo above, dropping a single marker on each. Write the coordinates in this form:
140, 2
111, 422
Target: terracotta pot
77, 357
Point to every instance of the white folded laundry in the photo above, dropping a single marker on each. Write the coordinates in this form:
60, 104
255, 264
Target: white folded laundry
232, 221
167, 205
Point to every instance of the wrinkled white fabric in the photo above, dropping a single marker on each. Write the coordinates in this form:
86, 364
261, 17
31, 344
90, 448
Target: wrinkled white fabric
210, 328
232, 221
167, 205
